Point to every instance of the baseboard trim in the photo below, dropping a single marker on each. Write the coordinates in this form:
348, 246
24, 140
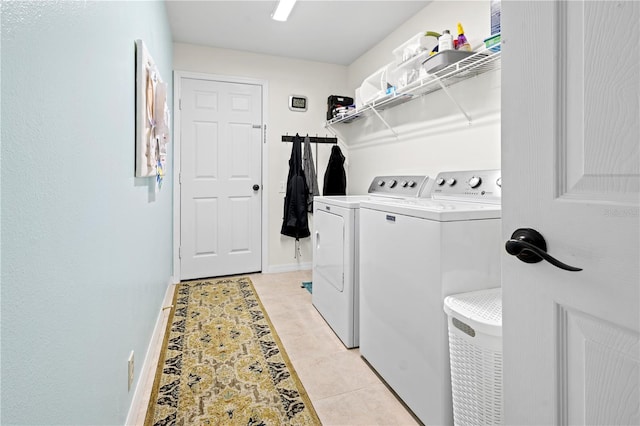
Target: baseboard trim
140, 399
291, 267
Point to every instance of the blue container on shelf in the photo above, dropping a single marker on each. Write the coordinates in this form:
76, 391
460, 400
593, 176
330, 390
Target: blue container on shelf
493, 43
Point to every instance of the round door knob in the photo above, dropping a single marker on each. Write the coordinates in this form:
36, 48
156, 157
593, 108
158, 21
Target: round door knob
256, 187
475, 181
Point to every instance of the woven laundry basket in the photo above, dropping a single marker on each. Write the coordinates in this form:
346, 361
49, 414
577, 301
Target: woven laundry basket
475, 352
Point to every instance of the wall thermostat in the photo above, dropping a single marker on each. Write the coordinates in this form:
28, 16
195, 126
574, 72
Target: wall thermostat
297, 103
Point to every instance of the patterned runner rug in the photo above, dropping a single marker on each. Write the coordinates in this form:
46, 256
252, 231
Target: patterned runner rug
223, 363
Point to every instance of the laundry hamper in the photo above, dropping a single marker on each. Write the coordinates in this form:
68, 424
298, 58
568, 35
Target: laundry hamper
475, 352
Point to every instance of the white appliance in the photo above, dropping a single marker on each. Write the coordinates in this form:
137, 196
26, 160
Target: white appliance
414, 253
335, 291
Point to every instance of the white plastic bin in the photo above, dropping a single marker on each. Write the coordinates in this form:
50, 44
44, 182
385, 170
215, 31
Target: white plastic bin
409, 57
475, 353
375, 86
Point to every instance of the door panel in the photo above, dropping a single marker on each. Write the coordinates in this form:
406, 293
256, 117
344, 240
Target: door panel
240, 102
240, 220
571, 170
221, 161
206, 216
606, 353
206, 147
598, 98
241, 154
206, 100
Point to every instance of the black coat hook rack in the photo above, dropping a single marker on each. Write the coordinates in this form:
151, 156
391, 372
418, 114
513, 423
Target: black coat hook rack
312, 139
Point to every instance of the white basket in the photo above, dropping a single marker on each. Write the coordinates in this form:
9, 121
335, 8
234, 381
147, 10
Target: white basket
375, 86
475, 352
409, 57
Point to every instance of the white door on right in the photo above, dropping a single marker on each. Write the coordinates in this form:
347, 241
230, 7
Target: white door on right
571, 171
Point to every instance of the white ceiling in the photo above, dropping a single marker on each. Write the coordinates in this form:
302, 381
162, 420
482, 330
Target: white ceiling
332, 31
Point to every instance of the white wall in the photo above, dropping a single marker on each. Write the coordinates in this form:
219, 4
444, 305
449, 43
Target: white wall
433, 134
285, 77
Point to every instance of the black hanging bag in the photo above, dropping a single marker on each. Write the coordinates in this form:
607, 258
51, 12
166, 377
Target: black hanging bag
335, 178
295, 222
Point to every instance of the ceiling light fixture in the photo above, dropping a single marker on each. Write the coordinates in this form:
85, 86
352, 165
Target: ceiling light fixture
283, 9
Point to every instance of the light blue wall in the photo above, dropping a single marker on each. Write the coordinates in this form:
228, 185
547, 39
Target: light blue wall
86, 248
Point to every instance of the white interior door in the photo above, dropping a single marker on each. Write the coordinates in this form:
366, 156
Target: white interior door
571, 170
221, 169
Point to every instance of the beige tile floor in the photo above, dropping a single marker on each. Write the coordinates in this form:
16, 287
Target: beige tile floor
342, 387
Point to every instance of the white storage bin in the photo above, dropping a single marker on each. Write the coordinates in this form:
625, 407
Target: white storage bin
408, 49
358, 99
375, 86
408, 57
475, 353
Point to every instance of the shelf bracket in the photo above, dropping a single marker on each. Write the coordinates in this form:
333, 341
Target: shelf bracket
444, 88
329, 127
385, 123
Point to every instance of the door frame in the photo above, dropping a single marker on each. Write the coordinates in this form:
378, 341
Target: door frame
177, 91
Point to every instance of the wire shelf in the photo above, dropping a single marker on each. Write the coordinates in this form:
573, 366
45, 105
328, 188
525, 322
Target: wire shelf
483, 61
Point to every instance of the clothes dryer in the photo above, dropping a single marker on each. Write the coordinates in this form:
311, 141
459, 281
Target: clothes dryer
336, 223
414, 253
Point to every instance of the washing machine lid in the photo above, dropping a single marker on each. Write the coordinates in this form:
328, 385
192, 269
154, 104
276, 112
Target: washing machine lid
438, 210
395, 187
346, 201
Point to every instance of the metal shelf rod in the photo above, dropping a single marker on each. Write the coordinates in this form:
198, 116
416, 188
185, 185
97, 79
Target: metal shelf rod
445, 90
385, 123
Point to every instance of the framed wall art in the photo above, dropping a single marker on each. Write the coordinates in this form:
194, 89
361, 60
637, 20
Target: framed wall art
152, 117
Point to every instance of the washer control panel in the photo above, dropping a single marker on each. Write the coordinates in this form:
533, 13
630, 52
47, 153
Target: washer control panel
470, 185
401, 186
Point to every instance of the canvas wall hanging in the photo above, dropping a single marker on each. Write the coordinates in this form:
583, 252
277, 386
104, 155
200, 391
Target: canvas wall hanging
152, 118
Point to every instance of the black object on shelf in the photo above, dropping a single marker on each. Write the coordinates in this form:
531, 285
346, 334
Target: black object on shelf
336, 104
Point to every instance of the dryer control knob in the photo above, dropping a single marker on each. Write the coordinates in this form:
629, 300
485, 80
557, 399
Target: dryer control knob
411, 184
499, 182
380, 183
475, 181
451, 181
392, 183
404, 184
440, 181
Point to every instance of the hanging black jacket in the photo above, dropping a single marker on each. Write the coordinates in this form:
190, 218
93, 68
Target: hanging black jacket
295, 222
335, 179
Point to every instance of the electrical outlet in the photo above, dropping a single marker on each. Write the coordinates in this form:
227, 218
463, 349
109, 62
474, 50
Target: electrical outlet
283, 187
131, 371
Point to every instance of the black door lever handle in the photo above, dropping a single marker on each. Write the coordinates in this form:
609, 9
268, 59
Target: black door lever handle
529, 246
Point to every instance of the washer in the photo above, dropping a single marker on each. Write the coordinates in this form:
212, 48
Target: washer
335, 291
414, 253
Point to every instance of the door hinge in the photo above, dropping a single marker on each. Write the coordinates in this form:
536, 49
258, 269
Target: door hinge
179, 178
180, 252
264, 134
